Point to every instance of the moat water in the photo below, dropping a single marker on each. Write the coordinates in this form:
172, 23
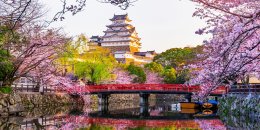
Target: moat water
159, 116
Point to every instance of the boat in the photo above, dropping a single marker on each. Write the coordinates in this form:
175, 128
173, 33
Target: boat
189, 111
189, 105
207, 112
176, 107
210, 104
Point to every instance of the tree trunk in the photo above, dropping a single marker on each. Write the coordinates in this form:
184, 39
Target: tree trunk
245, 81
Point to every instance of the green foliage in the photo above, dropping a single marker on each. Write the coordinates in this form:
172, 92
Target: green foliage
94, 65
169, 75
6, 89
139, 72
154, 67
72, 50
8, 36
178, 57
182, 76
6, 66
95, 72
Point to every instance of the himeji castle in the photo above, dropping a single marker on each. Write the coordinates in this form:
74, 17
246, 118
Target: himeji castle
122, 40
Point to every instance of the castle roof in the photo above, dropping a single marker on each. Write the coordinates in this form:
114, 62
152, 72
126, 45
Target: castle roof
116, 41
121, 30
118, 25
127, 35
120, 17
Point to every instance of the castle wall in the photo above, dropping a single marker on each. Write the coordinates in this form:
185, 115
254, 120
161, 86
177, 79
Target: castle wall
118, 48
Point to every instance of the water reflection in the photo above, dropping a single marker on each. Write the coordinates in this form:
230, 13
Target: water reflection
160, 117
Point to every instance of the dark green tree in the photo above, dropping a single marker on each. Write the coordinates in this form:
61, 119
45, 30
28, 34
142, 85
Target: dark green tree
182, 76
154, 67
96, 66
139, 72
94, 72
169, 75
178, 57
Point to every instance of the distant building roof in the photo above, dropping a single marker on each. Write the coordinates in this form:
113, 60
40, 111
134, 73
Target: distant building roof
144, 53
122, 52
94, 37
152, 52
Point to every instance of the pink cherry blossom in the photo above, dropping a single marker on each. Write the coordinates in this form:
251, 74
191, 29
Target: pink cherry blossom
233, 52
123, 76
153, 78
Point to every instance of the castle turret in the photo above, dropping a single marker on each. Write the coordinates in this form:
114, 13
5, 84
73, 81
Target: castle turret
121, 35
122, 40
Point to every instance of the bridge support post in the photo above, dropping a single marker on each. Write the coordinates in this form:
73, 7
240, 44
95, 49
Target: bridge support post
144, 104
188, 97
103, 103
216, 98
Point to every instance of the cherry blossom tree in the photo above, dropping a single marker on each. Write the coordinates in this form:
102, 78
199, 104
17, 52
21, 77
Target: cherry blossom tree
153, 78
233, 51
19, 13
123, 76
35, 56
76, 6
33, 48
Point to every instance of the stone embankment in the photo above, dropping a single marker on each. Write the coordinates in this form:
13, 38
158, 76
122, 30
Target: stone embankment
237, 105
121, 101
15, 103
240, 111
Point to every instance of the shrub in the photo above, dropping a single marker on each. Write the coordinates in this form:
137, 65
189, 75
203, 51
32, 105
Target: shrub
139, 72
169, 75
6, 89
182, 76
154, 67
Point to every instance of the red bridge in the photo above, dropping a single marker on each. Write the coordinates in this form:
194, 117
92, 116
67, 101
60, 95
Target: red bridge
144, 91
143, 88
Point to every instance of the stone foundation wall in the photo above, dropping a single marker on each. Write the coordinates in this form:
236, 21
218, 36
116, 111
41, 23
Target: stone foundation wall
34, 100
17, 102
121, 101
240, 112
169, 98
246, 105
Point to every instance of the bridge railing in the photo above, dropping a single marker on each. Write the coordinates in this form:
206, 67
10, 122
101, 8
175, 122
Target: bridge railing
220, 90
240, 89
36, 88
141, 87
144, 87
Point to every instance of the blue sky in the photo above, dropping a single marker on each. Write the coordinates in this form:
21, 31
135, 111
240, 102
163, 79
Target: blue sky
161, 24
